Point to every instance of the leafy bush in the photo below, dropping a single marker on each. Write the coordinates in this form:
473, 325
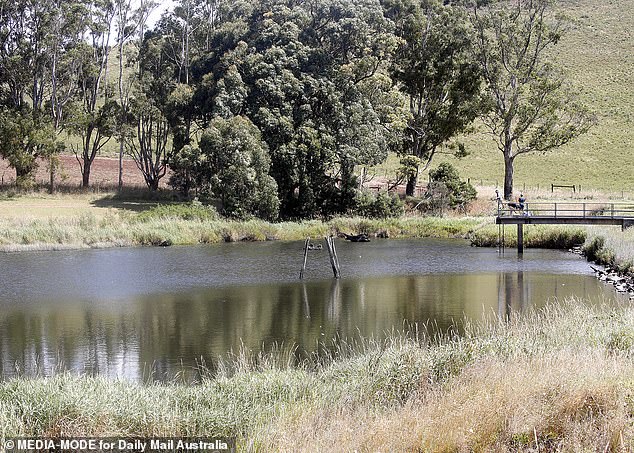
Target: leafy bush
446, 181
379, 206
594, 247
235, 166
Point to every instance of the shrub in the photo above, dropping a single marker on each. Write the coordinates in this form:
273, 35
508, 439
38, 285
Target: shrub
235, 166
379, 206
445, 181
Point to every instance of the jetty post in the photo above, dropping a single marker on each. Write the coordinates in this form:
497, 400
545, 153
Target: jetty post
520, 238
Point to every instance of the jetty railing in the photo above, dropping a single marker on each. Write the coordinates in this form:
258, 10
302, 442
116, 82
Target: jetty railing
567, 209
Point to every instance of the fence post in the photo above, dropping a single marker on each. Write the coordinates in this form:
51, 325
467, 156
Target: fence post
555, 209
612, 207
584, 210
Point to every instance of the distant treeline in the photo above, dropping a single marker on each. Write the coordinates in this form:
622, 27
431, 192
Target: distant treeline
269, 105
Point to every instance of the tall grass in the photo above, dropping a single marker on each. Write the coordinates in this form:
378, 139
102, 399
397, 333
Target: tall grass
555, 380
535, 236
188, 224
612, 247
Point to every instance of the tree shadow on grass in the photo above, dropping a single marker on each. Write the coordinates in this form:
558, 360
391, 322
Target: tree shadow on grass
125, 205
136, 199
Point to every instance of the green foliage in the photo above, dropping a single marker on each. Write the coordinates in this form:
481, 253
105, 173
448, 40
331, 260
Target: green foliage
309, 76
235, 165
460, 193
379, 206
24, 137
436, 71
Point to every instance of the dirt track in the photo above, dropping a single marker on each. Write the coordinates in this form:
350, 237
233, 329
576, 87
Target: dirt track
104, 173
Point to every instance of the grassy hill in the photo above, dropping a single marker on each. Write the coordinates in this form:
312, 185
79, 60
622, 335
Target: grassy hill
597, 55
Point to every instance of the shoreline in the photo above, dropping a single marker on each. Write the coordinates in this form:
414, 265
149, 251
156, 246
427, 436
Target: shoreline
86, 231
117, 230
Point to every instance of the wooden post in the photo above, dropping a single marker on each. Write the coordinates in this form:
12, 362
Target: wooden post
334, 252
301, 273
520, 238
331, 254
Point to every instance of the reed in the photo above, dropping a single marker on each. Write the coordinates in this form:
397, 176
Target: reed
188, 225
535, 236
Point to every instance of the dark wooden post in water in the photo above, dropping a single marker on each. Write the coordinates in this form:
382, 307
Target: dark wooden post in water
520, 238
301, 273
332, 252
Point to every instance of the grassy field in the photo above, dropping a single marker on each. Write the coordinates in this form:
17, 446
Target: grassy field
597, 57
557, 380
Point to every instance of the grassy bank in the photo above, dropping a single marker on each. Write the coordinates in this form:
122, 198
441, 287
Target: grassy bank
184, 226
612, 247
561, 379
535, 236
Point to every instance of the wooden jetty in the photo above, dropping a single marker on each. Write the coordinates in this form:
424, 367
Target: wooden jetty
564, 213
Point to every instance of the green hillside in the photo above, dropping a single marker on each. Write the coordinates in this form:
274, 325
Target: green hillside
598, 56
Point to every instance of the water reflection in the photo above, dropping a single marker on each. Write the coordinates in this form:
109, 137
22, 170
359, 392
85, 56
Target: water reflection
158, 336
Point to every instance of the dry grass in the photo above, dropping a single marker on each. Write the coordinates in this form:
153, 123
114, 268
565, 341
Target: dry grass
532, 386
558, 402
558, 380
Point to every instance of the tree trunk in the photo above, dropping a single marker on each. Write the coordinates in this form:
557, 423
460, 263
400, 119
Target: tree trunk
24, 175
85, 176
410, 188
51, 188
508, 177
121, 165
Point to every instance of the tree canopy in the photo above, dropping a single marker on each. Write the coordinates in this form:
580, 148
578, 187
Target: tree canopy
273, 106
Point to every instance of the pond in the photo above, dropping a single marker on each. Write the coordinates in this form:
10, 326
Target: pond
155, 313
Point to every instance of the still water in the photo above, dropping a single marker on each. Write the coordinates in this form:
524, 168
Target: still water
152, 313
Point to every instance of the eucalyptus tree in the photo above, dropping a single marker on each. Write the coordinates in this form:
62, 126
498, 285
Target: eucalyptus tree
148, 147
96, 120
148, 113
531, 108
130, 19
435, 69
26, 131
67, 26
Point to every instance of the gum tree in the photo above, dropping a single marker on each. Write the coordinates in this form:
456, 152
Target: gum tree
436, 71
530, 107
